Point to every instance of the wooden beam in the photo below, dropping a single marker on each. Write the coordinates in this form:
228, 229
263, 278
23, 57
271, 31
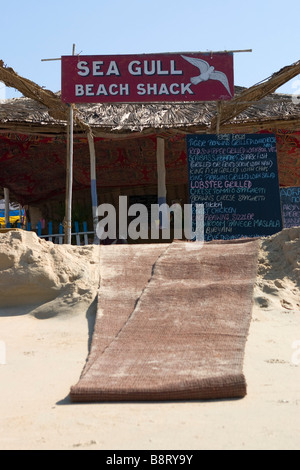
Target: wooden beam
6, 200
57, 109
253, 126
161, 170
161, 180
93, 184
230, 109
69, 182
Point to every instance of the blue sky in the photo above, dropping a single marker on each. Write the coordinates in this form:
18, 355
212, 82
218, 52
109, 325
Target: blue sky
32, 30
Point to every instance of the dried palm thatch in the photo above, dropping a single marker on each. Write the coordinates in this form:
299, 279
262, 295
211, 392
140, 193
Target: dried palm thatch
275, 110
121, 120
56, 108
258, 107
233, 108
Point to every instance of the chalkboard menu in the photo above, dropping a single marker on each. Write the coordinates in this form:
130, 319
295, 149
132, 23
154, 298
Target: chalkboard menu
290, 200
235, 176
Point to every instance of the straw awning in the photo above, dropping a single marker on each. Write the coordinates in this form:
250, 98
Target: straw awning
231, 109
33, 134
254, 106
56, 108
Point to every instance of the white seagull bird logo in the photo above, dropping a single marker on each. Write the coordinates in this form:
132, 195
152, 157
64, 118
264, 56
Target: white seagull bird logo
207, 72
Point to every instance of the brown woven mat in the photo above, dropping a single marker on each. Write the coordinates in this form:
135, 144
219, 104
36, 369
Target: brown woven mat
172, 323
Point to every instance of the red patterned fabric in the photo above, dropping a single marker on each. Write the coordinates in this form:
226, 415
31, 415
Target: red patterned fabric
288, 148
34, 168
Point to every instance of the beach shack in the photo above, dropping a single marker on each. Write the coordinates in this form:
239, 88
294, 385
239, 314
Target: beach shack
137, 150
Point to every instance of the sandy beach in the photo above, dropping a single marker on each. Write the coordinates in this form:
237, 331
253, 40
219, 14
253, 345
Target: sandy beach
48, 300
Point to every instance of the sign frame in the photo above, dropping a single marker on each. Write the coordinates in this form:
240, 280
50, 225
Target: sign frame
147, 78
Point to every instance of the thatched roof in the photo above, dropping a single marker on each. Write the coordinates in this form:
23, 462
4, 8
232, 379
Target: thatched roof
188, 117
49, 100
33, 136
25, 114
256, 107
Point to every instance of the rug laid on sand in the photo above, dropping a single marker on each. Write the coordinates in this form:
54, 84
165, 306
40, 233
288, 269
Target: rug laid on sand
172, 323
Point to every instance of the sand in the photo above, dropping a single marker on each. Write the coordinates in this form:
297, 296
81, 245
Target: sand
48, 297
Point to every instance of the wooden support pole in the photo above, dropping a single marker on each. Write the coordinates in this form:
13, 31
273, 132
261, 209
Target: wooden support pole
69, 185
161, 182
69, 182
219, 111
20, 216
6, 199
93, 184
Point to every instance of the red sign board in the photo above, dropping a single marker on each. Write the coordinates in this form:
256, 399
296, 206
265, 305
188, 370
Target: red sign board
147, 78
